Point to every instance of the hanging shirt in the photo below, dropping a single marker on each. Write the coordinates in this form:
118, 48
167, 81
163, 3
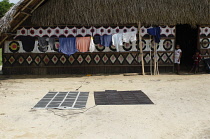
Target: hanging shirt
177, 56
106, 40
92, 45
97, 39
117, 40
43, 48
129, 37
155, 32
51, 42
67, 46
27, 42
42, 41
83, 44
42, 44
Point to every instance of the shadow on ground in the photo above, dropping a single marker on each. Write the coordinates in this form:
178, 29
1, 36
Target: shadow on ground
25, 76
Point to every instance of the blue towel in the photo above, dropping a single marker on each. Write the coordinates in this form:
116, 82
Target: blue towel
106, 40
67, 46
155, 32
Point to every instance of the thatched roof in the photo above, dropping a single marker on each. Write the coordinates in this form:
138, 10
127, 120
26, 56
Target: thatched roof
8, 17
110, 12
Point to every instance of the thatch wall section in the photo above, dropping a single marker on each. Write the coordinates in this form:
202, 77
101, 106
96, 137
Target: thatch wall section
115, 12
108, 12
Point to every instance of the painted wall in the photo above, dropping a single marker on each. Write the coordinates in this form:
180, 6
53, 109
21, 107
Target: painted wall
103, 60
204, 41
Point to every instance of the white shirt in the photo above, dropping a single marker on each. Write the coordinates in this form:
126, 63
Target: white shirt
117, 40
177, 56
178, 53
92, 45
129, 36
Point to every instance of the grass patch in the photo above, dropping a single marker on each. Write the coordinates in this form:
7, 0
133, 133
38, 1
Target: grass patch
0, 56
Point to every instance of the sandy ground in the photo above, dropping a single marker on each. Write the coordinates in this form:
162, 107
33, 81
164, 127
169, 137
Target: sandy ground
181, 109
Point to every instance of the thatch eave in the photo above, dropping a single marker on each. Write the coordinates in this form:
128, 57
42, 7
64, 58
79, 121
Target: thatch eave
5, 21
110, 12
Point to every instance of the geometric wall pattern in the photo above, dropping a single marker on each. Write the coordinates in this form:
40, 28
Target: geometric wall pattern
85, 59
166, 31
205, 41
14, 55
204, 31
164, 45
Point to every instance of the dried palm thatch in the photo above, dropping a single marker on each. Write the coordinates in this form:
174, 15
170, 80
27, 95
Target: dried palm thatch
113, 12
8, 17
108, 12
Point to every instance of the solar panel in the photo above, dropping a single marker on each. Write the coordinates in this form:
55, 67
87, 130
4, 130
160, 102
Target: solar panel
63, 100
114, 97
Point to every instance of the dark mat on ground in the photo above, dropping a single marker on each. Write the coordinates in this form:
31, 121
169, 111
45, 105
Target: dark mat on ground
63, 100
114, 97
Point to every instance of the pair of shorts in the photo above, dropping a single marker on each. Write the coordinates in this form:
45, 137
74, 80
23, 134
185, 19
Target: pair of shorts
176, 61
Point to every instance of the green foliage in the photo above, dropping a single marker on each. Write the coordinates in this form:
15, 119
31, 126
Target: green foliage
4, 7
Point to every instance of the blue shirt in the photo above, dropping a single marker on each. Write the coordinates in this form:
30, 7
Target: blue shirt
67, 46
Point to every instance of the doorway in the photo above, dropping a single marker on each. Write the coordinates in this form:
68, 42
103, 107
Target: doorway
187, 38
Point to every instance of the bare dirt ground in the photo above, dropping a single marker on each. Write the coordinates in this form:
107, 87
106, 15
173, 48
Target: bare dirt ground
181, 109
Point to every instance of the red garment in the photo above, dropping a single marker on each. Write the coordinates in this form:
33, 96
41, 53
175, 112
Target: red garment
83, 44
197, 59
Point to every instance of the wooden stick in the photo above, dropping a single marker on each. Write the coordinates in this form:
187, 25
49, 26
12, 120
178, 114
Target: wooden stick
27, 16
3, 39
157, 63
157, 71
26, 13
24, 17
155, 58
140, 47
150, 52
23, 9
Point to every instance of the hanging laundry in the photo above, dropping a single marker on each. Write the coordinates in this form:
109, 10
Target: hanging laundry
51, 42
27, 42
117, 40
92, 45
56, 45
129, 37
43, 48
106, 40
97, 39
42, 41
83, 44
42, 44
67, 46
155, 32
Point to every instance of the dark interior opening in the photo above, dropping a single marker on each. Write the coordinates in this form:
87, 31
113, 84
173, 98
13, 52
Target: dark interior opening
187, 38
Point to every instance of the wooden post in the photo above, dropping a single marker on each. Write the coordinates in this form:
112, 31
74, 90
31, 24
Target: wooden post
150, 53
141, 49
23, 8
156, 70
3, 39
155, 58
27, 15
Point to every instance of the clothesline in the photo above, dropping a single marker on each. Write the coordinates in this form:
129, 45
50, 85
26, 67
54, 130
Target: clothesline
85, 44
72, 45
